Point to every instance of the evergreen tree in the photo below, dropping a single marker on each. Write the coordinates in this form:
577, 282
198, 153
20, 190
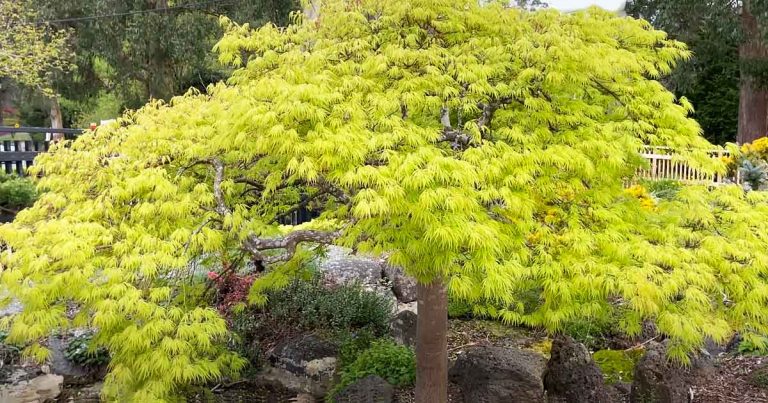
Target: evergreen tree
483, 148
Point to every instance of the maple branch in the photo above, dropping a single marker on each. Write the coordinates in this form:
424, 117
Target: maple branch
256, 246
218, 194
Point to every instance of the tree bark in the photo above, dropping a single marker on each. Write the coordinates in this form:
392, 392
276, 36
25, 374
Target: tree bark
432, 343
753, 96
57, 122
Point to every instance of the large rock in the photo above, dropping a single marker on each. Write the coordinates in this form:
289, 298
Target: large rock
341, 267
72, 373
307, 355
371, 389
497, 374
572, 375
403, 328
24, 386
658, 380
303, 364
403, 286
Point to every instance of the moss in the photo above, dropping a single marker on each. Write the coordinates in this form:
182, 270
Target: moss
617, 365
544, 347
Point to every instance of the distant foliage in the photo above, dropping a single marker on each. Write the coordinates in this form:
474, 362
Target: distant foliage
31, 53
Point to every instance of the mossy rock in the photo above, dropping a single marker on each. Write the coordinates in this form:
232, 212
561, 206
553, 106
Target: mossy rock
544, 347
617, 365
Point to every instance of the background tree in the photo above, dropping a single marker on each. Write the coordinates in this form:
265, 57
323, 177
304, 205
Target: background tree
30, 53
484, 149
130, 51
728, 39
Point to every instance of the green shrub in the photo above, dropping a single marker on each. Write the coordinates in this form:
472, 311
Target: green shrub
80, 351
759, 377
458, 309
310, 305
16, 193
393, 362
352, 345
8, 353
347, 313
592, 332
754, 344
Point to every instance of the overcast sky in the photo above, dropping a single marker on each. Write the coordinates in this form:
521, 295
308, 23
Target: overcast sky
569, 5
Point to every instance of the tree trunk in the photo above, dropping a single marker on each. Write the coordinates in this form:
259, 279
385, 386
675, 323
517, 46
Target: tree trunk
57, 122
432, 343
753, 96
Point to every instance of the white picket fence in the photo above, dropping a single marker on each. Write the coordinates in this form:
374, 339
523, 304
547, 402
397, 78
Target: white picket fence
663, 166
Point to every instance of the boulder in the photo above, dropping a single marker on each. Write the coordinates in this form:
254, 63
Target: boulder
572, 375
403, 328
658, 380
72, 373
403, 286
28, 383
371, 389
339, 266
497, 374
307, 356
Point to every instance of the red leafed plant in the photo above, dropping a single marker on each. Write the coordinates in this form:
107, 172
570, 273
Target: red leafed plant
231, 289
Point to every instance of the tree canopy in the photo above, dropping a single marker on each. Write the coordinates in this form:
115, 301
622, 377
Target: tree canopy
481, 147
30, 52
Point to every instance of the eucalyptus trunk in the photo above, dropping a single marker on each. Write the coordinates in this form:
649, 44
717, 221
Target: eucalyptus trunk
753, 95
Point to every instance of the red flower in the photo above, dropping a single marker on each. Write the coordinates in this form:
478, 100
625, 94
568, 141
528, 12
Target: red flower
213, 275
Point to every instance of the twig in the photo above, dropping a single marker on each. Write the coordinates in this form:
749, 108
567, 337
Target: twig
643, 343
462, 346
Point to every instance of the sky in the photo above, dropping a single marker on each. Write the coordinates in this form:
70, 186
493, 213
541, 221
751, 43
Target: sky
569, 5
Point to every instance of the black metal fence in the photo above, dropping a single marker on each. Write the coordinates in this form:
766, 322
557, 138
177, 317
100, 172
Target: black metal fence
20, 145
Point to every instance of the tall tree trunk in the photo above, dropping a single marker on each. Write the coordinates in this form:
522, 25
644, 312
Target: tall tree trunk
57, 122
432, 343
753, 96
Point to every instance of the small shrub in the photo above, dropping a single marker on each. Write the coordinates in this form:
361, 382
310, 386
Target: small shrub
393, 362
753, 344
16, 193
617, 365
80, 351
8, 353
458, 309
352, 345
347, 313
759, 377
592, 332
310, 306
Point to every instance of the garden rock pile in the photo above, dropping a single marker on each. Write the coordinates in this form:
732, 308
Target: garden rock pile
341, 266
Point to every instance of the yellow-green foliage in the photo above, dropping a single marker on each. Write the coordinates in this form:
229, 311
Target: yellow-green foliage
543, 113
